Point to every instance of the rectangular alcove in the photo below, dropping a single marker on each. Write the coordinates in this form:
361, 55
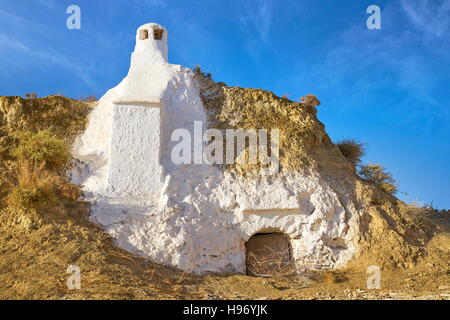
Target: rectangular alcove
143, 34
157, 34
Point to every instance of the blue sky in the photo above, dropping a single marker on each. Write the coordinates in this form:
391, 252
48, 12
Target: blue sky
389, 88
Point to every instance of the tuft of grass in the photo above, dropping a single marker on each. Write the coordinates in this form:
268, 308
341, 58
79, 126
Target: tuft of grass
378, 175
41, 148
36, 187
352, 150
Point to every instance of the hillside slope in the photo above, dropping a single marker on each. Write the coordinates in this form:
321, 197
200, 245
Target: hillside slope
37, 245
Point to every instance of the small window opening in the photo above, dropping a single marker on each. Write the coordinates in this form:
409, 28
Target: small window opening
157, 34
143, 34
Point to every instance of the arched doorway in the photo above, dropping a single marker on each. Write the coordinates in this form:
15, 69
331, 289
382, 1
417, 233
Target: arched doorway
269, 254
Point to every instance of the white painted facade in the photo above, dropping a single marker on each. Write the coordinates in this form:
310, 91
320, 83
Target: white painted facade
195, 217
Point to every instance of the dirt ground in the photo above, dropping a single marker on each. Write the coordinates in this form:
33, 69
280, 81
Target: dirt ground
35, 253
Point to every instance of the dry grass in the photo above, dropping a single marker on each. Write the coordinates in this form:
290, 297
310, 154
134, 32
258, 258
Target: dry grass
352, 150
330, 277
36, 248
35, 187
43, 148
310, 100
378, 175
198, 71
31, 95
272, 264
64, 117
91, 98
35, 153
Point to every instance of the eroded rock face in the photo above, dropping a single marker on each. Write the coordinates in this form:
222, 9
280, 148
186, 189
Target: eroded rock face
10, 110
198, 217
65, 116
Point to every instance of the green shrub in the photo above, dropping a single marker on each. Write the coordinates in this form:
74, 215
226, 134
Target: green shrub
379, 176
352, 150
42, 147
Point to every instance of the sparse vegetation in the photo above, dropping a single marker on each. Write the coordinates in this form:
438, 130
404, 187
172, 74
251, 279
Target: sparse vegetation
352, 150
34, 153
300, 130
111, 273
64, 117
91, 98
37, 183
272, 264
331, 276
378, 175
198, 71
35, 187
30, 95
41, 148
310, 100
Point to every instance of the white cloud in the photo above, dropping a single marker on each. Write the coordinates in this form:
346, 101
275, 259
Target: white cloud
361, 62
430, 17
255, 18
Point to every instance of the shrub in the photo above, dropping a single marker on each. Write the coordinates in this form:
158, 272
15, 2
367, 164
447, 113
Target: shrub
378, 175
91, 98
36, 187
352, 150
42, 147
199, 72
310, 100
30, 95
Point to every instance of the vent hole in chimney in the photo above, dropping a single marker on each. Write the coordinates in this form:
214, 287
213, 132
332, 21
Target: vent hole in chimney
143, 34
157, 34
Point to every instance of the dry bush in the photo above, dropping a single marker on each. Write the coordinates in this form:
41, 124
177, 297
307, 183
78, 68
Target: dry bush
378, 175
272, 264
42, 147
328, 277
310, 100
352, 150
91, 98
30, 95
198, 71
69, 190
35, 187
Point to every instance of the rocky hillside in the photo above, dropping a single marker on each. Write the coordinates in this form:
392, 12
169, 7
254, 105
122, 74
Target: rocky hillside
40, 239
392, 234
